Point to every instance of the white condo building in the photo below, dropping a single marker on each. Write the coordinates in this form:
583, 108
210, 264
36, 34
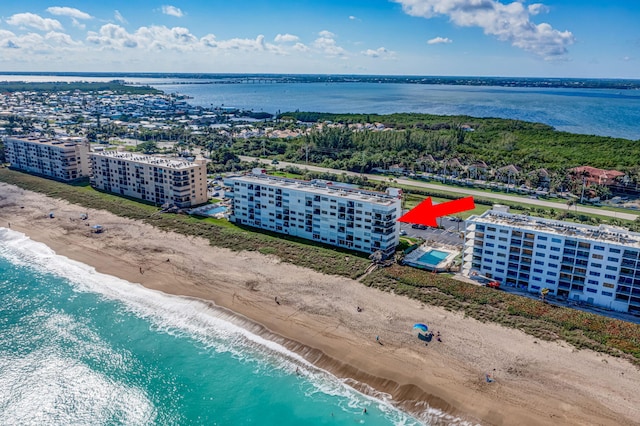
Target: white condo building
321, 211
156, 179
65, 159
598, 265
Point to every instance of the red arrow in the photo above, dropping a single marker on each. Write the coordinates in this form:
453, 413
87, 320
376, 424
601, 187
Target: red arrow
426, 213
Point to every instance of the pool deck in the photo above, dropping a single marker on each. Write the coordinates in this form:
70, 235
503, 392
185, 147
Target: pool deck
413, 258
204, 211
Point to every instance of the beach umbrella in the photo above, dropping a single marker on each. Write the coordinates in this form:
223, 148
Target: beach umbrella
421, 326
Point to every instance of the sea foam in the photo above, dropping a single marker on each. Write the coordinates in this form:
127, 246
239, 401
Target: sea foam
214, 328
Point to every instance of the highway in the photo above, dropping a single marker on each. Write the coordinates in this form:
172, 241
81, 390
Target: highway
462, 191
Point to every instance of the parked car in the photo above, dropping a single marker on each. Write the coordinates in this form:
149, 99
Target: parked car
403, 232
415, 226
275, 162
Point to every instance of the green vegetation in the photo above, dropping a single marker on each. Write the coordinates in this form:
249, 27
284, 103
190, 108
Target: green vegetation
497, 142
82, 86
545, 321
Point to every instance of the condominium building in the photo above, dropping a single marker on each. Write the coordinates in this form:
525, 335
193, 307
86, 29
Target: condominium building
598, 265
160, 180
322, 211
64, 159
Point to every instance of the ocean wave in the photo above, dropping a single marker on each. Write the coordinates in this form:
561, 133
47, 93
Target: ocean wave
213, 327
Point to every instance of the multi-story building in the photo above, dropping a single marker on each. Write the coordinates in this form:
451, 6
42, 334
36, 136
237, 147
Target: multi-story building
156, 179
64, 159
598, 265
317, 210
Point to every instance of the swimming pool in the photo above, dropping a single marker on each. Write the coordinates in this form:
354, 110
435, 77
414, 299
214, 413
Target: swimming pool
433, 257
212, 211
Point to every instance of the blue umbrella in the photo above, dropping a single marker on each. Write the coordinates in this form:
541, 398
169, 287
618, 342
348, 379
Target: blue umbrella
421, 326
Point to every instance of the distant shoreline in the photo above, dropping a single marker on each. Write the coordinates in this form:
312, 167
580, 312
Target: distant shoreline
233, 78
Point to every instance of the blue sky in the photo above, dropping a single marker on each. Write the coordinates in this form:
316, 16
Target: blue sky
559, 38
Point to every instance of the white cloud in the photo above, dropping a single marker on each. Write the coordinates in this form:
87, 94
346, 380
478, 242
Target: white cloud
538, 8
326, 34
172, 11
61, 39
354, 18
286, 38
439, 40
118, 16
31, 20
300, 47
380, 52
68, 11
507, 22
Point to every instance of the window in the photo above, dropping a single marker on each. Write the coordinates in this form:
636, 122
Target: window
596, 265
594, 282
554, 257
502, 247
500, 262
489, 245
610, 277
537, 271
536, 278
548, 281
502, 239
556, 240
535, 287
539, 262
594, 273
607, 293
540, 254
486, 268
611, 268
608, 285
488, 252
592, 290
491, 237
489, 260
597, 256
542, 238
613, 259
541, 246
552, 274
554, 248
614, 250
553, 265
499, 271
599, 248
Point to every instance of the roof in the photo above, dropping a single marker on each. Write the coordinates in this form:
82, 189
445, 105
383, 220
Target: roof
599, 173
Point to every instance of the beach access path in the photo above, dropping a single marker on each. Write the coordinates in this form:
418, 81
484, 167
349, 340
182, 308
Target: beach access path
455, 189
535, 382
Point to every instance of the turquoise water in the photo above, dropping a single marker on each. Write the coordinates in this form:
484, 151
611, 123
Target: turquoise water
83, 348
433, 257
213, 211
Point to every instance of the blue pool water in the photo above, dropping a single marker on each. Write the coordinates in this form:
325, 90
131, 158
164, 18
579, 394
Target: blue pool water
433, 257
213, 211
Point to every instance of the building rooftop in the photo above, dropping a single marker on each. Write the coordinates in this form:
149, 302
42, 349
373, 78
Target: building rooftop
57, 141
600, 233
321, 187
147, 159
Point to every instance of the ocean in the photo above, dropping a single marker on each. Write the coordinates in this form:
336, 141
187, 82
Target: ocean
83, 348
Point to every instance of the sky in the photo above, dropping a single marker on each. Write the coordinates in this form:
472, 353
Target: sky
559, 38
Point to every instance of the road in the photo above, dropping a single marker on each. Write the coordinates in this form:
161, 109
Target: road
463, 191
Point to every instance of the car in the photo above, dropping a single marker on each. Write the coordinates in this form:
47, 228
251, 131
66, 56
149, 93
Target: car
403, 232
217, 188
415, 226
420, 226
455, 219
275, 162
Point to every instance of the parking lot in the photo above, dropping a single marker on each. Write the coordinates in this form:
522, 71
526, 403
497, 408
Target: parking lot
451, 234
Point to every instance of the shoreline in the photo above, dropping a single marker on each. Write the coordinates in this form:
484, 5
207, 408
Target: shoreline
536, 382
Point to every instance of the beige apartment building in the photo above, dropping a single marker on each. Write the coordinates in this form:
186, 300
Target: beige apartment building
64, 159
160, 180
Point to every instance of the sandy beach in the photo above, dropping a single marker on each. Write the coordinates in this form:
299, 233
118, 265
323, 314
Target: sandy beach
535, 382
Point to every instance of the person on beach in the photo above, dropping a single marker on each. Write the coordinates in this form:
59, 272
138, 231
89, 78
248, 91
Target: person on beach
277, 301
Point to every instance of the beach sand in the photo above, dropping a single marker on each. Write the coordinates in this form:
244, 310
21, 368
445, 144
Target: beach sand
535, 382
